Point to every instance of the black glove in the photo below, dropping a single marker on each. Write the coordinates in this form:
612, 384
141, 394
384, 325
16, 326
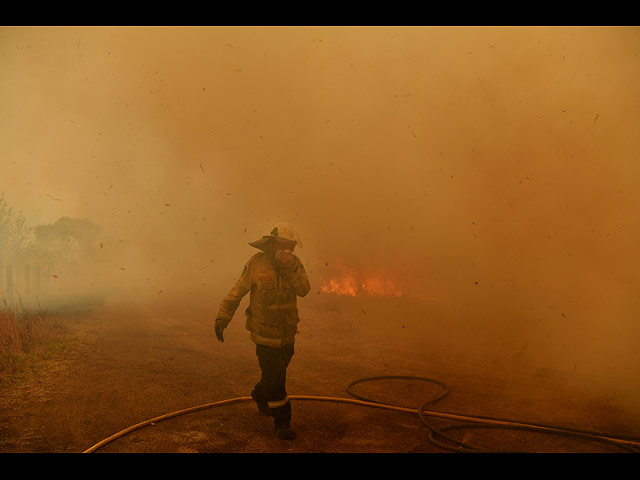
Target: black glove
219, 331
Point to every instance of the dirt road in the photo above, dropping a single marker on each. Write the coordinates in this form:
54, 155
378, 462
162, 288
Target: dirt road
135, 362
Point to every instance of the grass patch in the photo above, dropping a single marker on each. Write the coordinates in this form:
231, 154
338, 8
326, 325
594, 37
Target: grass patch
29, 340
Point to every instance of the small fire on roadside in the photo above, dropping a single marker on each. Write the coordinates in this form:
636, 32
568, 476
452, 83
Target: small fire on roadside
349, 282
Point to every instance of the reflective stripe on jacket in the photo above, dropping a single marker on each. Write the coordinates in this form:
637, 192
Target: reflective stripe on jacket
272, 315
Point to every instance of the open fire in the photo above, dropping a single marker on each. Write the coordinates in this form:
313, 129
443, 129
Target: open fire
349, 282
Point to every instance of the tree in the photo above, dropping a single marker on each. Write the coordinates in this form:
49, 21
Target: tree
67, 242
16, 236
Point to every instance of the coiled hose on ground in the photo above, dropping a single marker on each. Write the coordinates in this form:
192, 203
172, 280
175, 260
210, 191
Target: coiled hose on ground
436, 436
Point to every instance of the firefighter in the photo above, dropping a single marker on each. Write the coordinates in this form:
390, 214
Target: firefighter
275, 277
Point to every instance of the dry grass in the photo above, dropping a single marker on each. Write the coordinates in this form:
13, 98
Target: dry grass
23, 332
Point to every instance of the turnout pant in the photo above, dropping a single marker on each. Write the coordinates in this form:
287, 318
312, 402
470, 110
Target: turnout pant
271, 390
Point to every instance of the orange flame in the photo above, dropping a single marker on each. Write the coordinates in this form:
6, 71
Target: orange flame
350, 283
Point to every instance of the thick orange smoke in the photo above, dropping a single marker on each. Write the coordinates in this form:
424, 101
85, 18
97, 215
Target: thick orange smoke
492, 171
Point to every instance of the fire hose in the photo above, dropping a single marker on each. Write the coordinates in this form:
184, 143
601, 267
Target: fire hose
436, 436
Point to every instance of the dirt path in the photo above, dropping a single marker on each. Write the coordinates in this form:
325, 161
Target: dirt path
137, 362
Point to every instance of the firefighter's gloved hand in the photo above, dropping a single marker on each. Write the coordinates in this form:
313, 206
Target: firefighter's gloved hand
219, 331
285, 258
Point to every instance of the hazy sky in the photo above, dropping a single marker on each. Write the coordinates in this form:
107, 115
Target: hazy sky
486, 168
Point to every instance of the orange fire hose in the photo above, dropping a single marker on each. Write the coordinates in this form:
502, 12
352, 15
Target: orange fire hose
629, 444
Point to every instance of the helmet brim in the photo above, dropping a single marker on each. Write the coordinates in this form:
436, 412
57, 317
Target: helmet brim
262, 243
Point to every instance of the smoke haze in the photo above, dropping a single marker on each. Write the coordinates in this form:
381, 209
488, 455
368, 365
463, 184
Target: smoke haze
492, 172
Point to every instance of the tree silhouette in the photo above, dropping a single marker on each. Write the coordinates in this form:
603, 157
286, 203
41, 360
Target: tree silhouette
16, 237
67, 242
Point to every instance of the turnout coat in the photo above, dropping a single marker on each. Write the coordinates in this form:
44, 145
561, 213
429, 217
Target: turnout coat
272, 315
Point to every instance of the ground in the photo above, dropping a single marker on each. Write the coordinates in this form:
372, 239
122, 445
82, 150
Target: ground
136, 361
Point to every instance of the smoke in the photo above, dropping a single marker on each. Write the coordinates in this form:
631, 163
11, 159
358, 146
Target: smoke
491, 170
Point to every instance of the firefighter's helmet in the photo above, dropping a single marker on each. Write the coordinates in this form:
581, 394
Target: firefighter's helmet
280, 230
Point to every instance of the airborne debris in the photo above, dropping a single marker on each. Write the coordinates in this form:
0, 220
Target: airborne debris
53, 198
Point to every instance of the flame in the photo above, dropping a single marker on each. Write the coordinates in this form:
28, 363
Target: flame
351, 283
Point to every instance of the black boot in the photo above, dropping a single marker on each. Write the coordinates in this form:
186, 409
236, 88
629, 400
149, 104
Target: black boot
285, 432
